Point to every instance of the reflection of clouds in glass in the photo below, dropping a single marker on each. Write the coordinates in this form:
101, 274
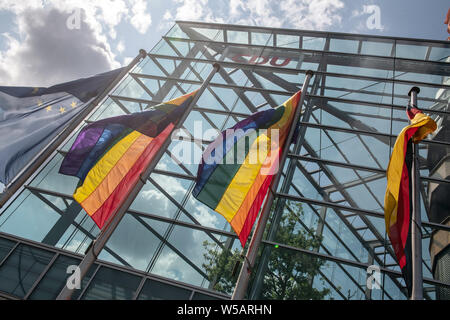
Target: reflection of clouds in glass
130, 88
171, 266
171, 185
190, 243
31, 219
56, 201
186, 240
166, 265
156, 195
73, 245
136, 244
205, 217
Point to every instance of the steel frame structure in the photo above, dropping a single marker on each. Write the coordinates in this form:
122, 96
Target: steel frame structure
184, 70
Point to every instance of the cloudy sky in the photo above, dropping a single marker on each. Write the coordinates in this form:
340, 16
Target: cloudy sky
42, 42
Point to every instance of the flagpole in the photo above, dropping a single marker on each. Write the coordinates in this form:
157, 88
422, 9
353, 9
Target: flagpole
39, 159
416, 222
252, 252
97, 245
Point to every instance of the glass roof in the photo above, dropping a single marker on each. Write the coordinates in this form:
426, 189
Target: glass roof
333, 182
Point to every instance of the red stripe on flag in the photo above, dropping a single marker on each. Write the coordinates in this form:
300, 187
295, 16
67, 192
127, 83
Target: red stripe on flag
123, 189
296, 100
256, 206
398, 233
254, 210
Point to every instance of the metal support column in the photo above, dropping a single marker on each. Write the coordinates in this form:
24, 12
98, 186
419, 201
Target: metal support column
250, 258
416, 221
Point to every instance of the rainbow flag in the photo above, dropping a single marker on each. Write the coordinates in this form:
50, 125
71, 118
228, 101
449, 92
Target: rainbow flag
109, 155
234, 188
398, 200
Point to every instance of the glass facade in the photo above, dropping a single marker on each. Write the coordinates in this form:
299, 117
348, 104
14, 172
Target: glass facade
327, 224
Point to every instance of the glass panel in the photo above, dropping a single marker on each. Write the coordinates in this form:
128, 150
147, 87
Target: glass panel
201, 296
110, 284
262, 39
176, 32
164, 48
440, 54
237, 36
135, 240
22, 269
363, 66
155, 290
5, 247
343, 45
313, 43
291, 276
376, 48
206, 33
410, 51
288, 41
55, 279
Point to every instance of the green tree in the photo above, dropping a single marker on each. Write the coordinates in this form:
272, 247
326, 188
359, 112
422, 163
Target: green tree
219, 266
288, 275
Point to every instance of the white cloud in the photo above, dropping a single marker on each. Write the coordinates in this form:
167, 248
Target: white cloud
48, 52
167, 15
100, 21
169, 184
301, 14
99, 15
120, 46
205, 217
166, 264
357, 13
127, 60
140, 19
193, 10
157, 198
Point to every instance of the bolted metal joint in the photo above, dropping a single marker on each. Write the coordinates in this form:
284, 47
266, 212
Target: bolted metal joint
413, 96
142, 53
414, 90
216, 66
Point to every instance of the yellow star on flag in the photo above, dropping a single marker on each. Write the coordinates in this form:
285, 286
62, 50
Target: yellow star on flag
62, 110
35, 90
73, 104
49, 108
39, 103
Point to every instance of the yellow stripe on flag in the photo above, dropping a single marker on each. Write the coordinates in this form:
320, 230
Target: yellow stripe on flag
243, 180
96, 199
287, 115
178, 101
395, 167
269, 167
101, 169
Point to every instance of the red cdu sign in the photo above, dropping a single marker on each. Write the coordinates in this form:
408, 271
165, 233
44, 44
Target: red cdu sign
255, 59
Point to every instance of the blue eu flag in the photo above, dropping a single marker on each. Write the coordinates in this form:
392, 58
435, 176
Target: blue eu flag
31, 117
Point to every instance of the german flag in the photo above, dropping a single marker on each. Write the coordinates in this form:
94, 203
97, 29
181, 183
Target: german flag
398, 198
